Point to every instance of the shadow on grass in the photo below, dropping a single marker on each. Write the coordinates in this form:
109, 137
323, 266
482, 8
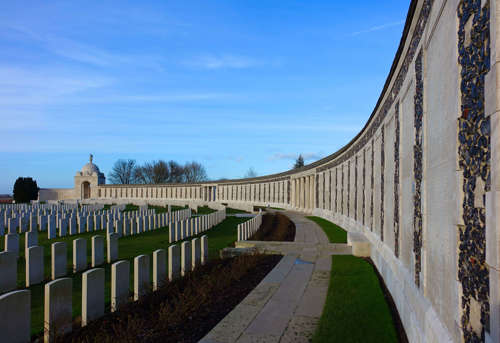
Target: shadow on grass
356, 309
334, 232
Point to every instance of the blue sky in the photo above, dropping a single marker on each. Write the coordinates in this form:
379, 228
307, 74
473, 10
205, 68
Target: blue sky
231, 84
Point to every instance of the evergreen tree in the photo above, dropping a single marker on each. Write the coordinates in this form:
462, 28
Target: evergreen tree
25, 189
299, 162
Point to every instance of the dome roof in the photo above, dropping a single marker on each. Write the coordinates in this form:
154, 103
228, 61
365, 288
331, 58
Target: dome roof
90, 168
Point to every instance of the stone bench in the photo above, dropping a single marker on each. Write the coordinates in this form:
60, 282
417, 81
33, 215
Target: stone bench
360, 245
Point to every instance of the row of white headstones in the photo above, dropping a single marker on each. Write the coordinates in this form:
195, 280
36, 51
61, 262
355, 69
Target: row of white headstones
15, 306
123, 224
34, 262
248, 228
74, 222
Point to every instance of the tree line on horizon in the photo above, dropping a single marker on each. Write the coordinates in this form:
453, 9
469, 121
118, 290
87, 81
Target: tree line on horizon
130, 172
127, 171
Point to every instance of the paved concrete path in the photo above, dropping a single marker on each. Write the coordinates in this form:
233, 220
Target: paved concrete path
287, 304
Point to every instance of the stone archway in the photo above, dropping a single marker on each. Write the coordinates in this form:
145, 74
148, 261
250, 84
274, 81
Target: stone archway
85, 190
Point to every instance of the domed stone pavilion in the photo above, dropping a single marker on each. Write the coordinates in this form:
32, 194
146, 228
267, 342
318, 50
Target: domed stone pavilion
87, 179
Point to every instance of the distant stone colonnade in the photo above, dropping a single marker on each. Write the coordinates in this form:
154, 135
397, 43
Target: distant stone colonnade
420, 182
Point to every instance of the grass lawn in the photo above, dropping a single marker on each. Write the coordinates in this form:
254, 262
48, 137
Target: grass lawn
219, 237
204, 210
334, 232
230, 210
355, 308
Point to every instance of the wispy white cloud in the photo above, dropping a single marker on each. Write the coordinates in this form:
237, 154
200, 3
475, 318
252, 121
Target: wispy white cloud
21, 86
378, 27
223, 62
84, 53
294, 156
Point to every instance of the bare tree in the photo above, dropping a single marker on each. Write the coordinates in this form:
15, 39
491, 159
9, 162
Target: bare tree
176, 172
153, 172
161, 172
250, 173
158, 172
194, 172
123, 172
144, 174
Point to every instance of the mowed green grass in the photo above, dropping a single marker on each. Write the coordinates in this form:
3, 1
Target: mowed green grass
334, 232
230, 210
220, 236
204, 210
355, 308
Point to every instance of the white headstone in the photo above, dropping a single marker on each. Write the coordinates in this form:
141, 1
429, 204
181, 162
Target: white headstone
8, 271
12, 243
79, 255
34, 265
58, 259
120, 281
15, 316
141, 276
174, 265
195, 253
30, 239
204, 249
92, 295
97, 251
112, 247
58, 309
159, 268
185, 258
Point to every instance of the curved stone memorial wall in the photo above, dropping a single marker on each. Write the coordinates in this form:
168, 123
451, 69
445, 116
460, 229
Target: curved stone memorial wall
420, 182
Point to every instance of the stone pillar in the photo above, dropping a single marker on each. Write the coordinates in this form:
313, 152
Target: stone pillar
15, 316
141, 276
34, 265
58, 259
58, 309
92, 295
174, 266
159, 268
120, 280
